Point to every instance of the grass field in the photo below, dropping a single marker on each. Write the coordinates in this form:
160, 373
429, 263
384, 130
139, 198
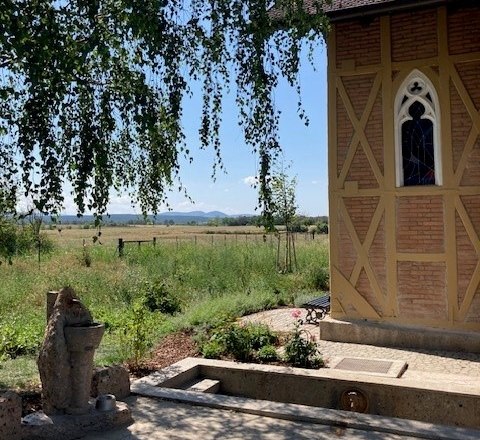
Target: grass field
74, 235
209, 274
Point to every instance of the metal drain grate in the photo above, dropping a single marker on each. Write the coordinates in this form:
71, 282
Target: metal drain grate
364, 365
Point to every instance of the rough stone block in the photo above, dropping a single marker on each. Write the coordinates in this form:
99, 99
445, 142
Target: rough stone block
112, 379
69, 427
10, 416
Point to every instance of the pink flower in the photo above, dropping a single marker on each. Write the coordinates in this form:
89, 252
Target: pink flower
296, 313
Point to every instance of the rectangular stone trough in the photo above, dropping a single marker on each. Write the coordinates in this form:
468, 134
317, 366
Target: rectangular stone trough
285, 392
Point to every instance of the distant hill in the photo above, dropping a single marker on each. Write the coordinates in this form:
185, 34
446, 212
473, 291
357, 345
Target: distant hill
180, 218
201, 214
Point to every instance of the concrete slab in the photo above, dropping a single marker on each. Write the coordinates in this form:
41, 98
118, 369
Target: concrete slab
374, 367
204, 386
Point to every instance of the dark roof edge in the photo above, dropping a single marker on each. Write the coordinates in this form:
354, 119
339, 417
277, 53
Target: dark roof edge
383, 8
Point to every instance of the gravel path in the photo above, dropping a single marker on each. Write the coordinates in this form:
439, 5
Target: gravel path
442, 362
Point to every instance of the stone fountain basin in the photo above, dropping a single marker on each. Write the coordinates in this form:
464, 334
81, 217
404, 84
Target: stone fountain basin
241, 384
84, 337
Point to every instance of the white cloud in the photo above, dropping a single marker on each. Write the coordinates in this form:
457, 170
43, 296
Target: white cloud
250, 180
314, 182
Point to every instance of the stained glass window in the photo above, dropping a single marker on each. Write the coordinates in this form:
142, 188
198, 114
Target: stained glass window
417, 132
417, 148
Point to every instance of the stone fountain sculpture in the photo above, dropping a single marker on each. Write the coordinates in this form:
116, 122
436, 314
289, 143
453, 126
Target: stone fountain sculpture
65, 361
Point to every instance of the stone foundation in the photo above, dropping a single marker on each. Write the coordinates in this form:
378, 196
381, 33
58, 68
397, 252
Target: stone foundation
68, 427
10, 416
113, 379
390, 335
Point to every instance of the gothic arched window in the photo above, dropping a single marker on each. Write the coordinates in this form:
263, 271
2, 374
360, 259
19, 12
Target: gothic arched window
417, 139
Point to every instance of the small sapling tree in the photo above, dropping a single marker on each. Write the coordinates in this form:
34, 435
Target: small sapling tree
285, 209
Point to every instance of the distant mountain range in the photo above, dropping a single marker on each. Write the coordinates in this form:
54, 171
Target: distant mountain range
199, 217
211, 214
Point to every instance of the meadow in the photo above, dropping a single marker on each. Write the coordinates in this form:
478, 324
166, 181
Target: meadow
193, 277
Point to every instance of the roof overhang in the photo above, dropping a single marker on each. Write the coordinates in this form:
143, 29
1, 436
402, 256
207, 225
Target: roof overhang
388, 7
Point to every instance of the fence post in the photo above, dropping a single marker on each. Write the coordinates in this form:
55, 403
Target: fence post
154, 241
121, 245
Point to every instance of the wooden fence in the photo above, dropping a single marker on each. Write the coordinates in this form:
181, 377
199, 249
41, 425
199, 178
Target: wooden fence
270, 239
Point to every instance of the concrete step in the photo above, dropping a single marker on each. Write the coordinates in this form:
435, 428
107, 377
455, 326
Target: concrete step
205, 386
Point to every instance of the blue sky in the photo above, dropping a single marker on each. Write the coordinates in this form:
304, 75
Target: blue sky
305, 148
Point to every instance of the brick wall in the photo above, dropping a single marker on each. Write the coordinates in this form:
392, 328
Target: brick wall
374, 131
420, 219
463, 26
344, 133
360, 210
348, 255
376, 256
421, 290
470, 76
420, 224
462, 126
466, 259
359, 41
473, 314
360, 171
364, 287
414, 35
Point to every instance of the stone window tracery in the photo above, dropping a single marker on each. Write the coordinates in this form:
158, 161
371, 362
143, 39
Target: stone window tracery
417, 133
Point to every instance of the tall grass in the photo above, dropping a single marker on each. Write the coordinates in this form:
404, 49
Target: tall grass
211, 281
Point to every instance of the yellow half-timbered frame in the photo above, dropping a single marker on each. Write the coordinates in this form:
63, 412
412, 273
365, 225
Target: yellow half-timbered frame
381, 303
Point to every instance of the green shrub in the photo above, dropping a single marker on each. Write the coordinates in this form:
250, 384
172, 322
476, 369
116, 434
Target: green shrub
157, 298
19, 338
301, 350
322, 228
242, 342
8, 240
319, 278
86, 257
260, 336
21, 240
267, 353
238, 342
213, 349
137, 334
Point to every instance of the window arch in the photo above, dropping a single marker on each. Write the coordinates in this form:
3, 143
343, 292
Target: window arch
417, 140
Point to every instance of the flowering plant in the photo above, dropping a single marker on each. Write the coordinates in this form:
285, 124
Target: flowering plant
301, 349
296, 313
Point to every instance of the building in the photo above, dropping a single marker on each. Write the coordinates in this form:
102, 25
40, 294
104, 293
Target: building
404, 163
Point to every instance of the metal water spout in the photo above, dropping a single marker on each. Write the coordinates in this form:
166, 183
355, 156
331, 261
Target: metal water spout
354, 400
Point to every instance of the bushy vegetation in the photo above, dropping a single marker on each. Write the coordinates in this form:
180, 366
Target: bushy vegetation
301, 350
21, 239
257, 343
151, 292
242, 342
